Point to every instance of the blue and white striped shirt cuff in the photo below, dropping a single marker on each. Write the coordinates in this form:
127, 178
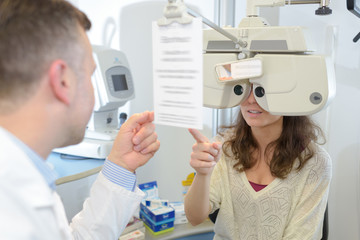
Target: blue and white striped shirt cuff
119, 175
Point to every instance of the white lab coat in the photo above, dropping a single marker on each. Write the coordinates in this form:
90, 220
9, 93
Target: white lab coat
29, 209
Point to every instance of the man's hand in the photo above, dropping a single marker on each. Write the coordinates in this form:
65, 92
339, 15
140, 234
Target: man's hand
136, 142
205, 154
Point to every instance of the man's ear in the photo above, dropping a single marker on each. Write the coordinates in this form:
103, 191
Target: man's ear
59, 81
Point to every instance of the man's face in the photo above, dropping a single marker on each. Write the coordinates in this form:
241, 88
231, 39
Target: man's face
83, 102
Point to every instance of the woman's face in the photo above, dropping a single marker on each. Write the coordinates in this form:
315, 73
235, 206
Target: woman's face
256, 117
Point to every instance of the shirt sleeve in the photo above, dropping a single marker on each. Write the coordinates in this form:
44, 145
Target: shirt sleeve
119, 175
306, 222
215, 186
217, 175
106, 212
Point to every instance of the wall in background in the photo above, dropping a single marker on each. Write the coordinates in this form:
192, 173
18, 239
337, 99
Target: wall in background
126, 25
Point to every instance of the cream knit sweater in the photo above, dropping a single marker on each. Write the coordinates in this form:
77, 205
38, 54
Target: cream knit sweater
292, 208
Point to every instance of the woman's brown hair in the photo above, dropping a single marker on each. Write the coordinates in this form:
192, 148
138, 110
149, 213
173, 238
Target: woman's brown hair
293, 143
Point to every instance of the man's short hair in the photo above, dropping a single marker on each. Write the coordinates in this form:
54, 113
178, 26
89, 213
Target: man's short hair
33, 33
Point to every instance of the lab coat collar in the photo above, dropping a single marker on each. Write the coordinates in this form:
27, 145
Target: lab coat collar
21, 176
49, 175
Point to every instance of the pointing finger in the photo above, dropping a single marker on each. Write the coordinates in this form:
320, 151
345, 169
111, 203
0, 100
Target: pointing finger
138, 119
198, 136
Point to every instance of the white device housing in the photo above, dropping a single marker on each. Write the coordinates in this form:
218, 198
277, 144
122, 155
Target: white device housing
291, 79
113, 87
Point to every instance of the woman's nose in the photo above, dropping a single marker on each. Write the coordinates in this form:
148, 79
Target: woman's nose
251, 98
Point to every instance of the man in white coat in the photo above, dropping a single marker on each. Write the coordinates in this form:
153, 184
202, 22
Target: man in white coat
46, 99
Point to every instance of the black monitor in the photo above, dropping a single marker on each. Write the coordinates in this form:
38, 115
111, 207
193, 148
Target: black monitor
354, 7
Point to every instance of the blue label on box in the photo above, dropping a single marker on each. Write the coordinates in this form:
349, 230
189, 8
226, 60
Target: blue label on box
148, 185
158, 226
155, 217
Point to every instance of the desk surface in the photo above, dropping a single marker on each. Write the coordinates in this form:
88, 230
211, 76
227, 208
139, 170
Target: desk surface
182, 230
72, 168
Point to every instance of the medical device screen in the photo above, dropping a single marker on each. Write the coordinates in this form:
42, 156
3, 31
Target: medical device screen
354, 7
119, 82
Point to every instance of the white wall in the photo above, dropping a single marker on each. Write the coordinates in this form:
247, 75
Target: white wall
126, 25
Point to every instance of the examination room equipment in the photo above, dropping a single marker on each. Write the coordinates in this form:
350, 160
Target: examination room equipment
113, 87
354, 7
287, 78
332, 36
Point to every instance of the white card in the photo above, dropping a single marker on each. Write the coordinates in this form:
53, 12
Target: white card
177, 74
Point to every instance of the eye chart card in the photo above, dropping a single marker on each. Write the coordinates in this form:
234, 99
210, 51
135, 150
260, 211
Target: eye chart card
177, 74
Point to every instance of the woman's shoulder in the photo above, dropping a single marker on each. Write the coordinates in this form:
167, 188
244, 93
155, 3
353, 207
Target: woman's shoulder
317, 168
227, 157
224, 135
320, 152
320, 161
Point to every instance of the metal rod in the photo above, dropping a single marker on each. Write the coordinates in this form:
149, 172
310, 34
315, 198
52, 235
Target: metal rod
217, 28
357, 37
303, 2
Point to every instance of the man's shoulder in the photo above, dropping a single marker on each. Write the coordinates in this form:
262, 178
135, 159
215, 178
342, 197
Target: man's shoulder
18, 174
8, 149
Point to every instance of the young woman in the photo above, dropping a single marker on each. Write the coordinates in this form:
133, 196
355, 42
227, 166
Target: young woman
266, 175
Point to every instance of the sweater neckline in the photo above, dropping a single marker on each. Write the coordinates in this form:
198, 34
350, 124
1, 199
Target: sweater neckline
257, 187
253, 191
